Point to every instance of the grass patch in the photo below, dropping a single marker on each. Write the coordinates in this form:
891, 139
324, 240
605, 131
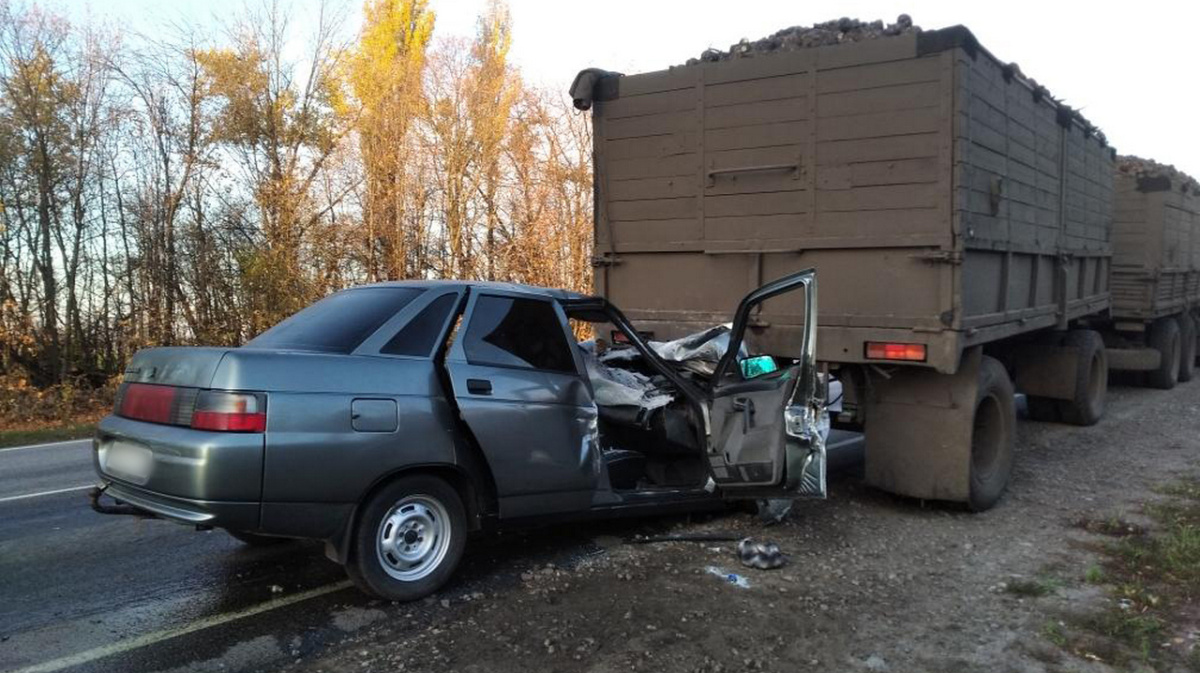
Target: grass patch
1153, 576
1055, 632
1040, 586
44, 435
1112, 526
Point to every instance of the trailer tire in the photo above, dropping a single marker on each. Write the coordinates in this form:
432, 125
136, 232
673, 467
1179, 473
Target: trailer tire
1187, 351
1164, 337
993, 435
1091, 379
1196, 330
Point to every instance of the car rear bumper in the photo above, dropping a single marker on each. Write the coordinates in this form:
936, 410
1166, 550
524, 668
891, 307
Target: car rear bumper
181, 463
207, 513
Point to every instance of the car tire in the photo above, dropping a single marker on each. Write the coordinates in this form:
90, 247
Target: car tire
409, 539
1164, 337
993, 435
1091, 379
1187, 352
254, 539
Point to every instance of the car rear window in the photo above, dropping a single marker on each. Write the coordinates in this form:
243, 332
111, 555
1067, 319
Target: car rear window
517, 333
338, 323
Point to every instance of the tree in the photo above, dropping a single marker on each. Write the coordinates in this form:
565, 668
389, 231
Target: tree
494, 87
186, 188
281, 120
386, 73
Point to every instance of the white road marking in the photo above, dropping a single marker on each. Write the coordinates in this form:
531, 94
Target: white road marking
43, 446
91, 655
38, 495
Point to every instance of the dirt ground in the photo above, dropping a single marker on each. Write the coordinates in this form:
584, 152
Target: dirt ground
874, 582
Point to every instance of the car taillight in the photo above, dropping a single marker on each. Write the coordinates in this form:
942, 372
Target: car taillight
230, 412
147, 402
895, 351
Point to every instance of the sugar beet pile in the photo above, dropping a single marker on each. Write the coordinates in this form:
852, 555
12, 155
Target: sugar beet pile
1148, 168
824, 34
846, 30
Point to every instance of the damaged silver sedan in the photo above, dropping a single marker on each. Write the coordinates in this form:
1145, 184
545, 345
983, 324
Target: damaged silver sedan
392, 420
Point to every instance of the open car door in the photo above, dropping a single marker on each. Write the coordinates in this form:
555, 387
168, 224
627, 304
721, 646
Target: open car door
766, 418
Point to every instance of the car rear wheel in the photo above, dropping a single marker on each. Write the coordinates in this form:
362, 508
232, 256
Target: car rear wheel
409, 539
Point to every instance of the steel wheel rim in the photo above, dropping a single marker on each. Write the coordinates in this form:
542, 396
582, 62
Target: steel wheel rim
413, 538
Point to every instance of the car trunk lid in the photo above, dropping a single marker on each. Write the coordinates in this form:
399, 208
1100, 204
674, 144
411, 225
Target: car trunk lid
187, 367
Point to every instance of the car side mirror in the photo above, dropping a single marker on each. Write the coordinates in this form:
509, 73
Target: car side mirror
756, 366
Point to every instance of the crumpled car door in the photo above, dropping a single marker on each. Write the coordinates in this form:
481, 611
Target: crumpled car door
766, 428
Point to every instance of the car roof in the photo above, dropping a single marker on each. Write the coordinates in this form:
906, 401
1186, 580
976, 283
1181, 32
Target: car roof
552, 293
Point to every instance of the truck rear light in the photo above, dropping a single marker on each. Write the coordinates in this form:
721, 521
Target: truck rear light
230, 412
895, 351
146, 402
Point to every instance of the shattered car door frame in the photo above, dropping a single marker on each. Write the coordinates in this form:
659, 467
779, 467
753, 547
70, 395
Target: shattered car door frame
803, 462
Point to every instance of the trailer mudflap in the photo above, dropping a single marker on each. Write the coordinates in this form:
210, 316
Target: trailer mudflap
918, 435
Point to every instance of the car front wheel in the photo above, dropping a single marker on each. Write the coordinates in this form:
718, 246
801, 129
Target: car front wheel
409, 539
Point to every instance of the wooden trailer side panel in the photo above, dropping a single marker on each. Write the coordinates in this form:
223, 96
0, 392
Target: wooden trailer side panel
1034, 199
1156, 269
941, 201
713, 179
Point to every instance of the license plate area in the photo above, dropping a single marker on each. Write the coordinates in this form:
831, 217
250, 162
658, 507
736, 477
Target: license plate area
128, 461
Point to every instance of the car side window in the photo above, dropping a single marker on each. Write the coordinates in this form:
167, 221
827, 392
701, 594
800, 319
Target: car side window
517, 332
419, 335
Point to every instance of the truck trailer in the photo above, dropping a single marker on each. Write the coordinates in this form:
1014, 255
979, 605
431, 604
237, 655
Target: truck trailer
959, 217
1155, 273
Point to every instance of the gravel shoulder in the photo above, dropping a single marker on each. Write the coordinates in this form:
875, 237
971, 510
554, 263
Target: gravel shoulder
874, 582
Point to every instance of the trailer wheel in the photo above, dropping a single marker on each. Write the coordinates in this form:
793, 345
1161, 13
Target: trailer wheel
1187, 352
993, 435
1196, 330
1164, 337
1091, 379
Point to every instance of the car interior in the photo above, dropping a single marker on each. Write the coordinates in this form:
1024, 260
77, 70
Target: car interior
656, 443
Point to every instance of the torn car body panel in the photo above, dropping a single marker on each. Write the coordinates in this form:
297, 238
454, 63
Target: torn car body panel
761, 435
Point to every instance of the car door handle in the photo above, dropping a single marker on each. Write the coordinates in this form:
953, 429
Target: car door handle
479, 386
746, 406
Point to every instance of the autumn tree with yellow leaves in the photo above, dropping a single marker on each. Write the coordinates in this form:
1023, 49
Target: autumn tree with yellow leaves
189, 188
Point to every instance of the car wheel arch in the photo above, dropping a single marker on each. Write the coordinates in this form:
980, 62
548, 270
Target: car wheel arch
472, 483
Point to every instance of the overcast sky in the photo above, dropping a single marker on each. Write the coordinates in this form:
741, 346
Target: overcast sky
1132, 67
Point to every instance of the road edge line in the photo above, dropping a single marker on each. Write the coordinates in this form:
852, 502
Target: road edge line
88, 656
44, 446
12, 498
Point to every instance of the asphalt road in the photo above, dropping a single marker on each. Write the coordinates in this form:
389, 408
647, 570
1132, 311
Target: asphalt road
87, 592
81, 591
